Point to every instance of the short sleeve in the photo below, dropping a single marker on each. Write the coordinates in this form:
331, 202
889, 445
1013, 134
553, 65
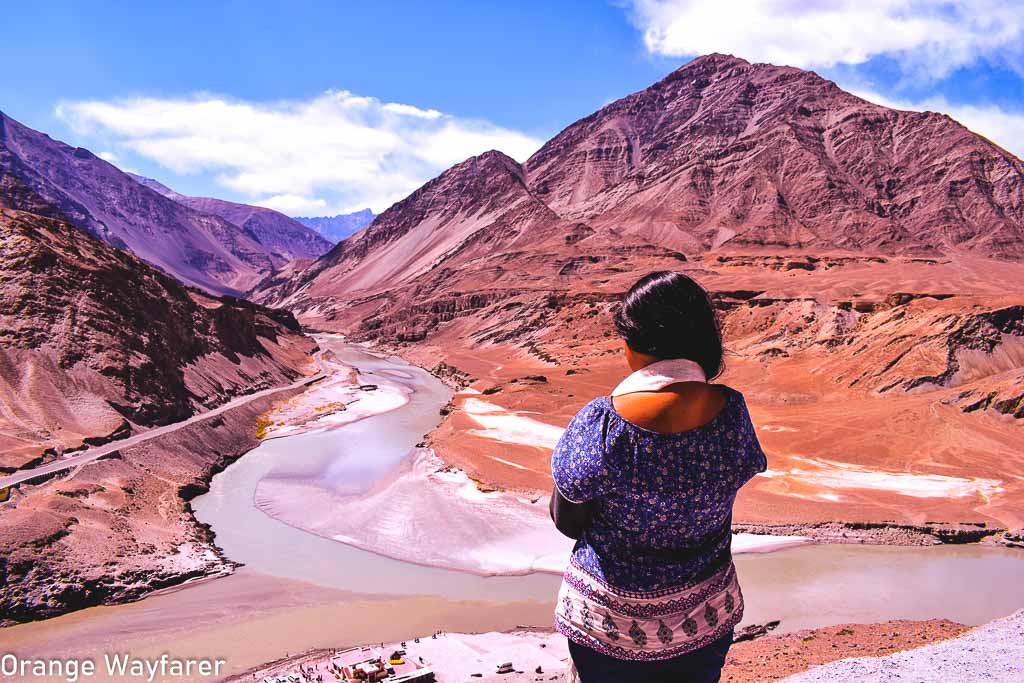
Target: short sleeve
579, 463
752, 459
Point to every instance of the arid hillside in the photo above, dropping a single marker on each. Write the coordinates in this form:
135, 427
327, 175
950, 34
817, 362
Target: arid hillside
197, 247
94, 343
867, 262
285, 238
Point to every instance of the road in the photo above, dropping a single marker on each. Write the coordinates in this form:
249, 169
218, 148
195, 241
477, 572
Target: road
99, 451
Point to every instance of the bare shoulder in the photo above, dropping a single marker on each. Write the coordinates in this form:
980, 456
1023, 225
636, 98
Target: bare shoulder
678, 408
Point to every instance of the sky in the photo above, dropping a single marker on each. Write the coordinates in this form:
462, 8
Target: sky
317, 108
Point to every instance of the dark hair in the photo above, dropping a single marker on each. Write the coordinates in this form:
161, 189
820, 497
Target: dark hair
669, 315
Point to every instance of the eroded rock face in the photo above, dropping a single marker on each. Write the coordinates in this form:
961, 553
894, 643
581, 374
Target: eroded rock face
91, 337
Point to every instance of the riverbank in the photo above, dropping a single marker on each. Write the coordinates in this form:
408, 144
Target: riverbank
119, 528
445, 520
341, 397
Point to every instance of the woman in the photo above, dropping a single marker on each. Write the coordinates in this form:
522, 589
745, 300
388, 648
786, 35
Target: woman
645, 480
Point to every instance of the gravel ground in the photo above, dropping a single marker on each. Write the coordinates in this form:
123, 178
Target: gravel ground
993, 652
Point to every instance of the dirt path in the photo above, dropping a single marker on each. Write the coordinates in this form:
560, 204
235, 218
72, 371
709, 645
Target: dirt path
99, 451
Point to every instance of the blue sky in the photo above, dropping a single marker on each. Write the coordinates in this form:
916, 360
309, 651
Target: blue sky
319, 107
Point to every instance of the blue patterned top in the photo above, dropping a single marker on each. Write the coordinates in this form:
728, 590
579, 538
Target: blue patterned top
656, 494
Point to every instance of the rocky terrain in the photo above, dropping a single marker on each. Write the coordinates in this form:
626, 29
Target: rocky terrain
337, 228
541, 655
866, 262
991, 652
195, 246
286, 238
96, 345
121, 527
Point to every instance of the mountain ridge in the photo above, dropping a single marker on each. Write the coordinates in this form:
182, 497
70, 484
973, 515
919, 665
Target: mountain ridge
338, 227
719, 155
95, 340
200, 249
287, 238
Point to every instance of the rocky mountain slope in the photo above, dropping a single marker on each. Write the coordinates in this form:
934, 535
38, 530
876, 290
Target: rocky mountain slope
285, 238
720, 155
198, 248
94, 342
95, 345
868, 264
337, 228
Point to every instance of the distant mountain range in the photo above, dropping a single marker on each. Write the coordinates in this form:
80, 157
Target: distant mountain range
195, 244
337, 228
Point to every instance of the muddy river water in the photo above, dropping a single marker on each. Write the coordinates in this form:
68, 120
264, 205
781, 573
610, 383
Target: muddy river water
299, 590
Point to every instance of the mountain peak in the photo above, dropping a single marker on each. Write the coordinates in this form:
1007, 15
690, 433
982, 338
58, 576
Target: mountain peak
715, 60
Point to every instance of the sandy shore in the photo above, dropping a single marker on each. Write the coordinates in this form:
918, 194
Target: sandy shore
430, 513
341, 397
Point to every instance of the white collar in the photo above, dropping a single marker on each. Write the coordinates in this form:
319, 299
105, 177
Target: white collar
661, 374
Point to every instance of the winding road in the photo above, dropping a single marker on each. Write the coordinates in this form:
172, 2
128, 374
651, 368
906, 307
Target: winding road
94, 453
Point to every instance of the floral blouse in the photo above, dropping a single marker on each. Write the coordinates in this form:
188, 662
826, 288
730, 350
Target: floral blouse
656, 495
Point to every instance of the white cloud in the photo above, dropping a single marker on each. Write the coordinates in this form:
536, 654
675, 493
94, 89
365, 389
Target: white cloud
932, 37
108, 156
294, 205
1005, 128
334, 153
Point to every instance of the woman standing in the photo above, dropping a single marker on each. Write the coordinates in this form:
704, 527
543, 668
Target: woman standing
645, 480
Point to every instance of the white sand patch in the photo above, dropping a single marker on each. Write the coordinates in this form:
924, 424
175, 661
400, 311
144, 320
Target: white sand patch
507, 426
457, 657
509, 463
825, 497
778, 428
763, 543
443, 520
828, 476
334, 401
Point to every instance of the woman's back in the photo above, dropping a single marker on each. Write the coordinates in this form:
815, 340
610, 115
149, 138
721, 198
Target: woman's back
677, 408
661, 500
645, 481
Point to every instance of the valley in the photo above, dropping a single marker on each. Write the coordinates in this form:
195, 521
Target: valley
867, 277
216, 425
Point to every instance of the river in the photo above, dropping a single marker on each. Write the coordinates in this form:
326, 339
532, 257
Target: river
299, 590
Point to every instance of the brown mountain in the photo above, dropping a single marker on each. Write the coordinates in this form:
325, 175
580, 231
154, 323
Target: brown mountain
867, 261
95, 342
718, 156
96, 345
285, 238
196, 247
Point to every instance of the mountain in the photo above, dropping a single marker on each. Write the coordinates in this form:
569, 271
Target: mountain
95, 342
286, 238
198, 248
721, 155
867, 264
97, 345
337, 228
